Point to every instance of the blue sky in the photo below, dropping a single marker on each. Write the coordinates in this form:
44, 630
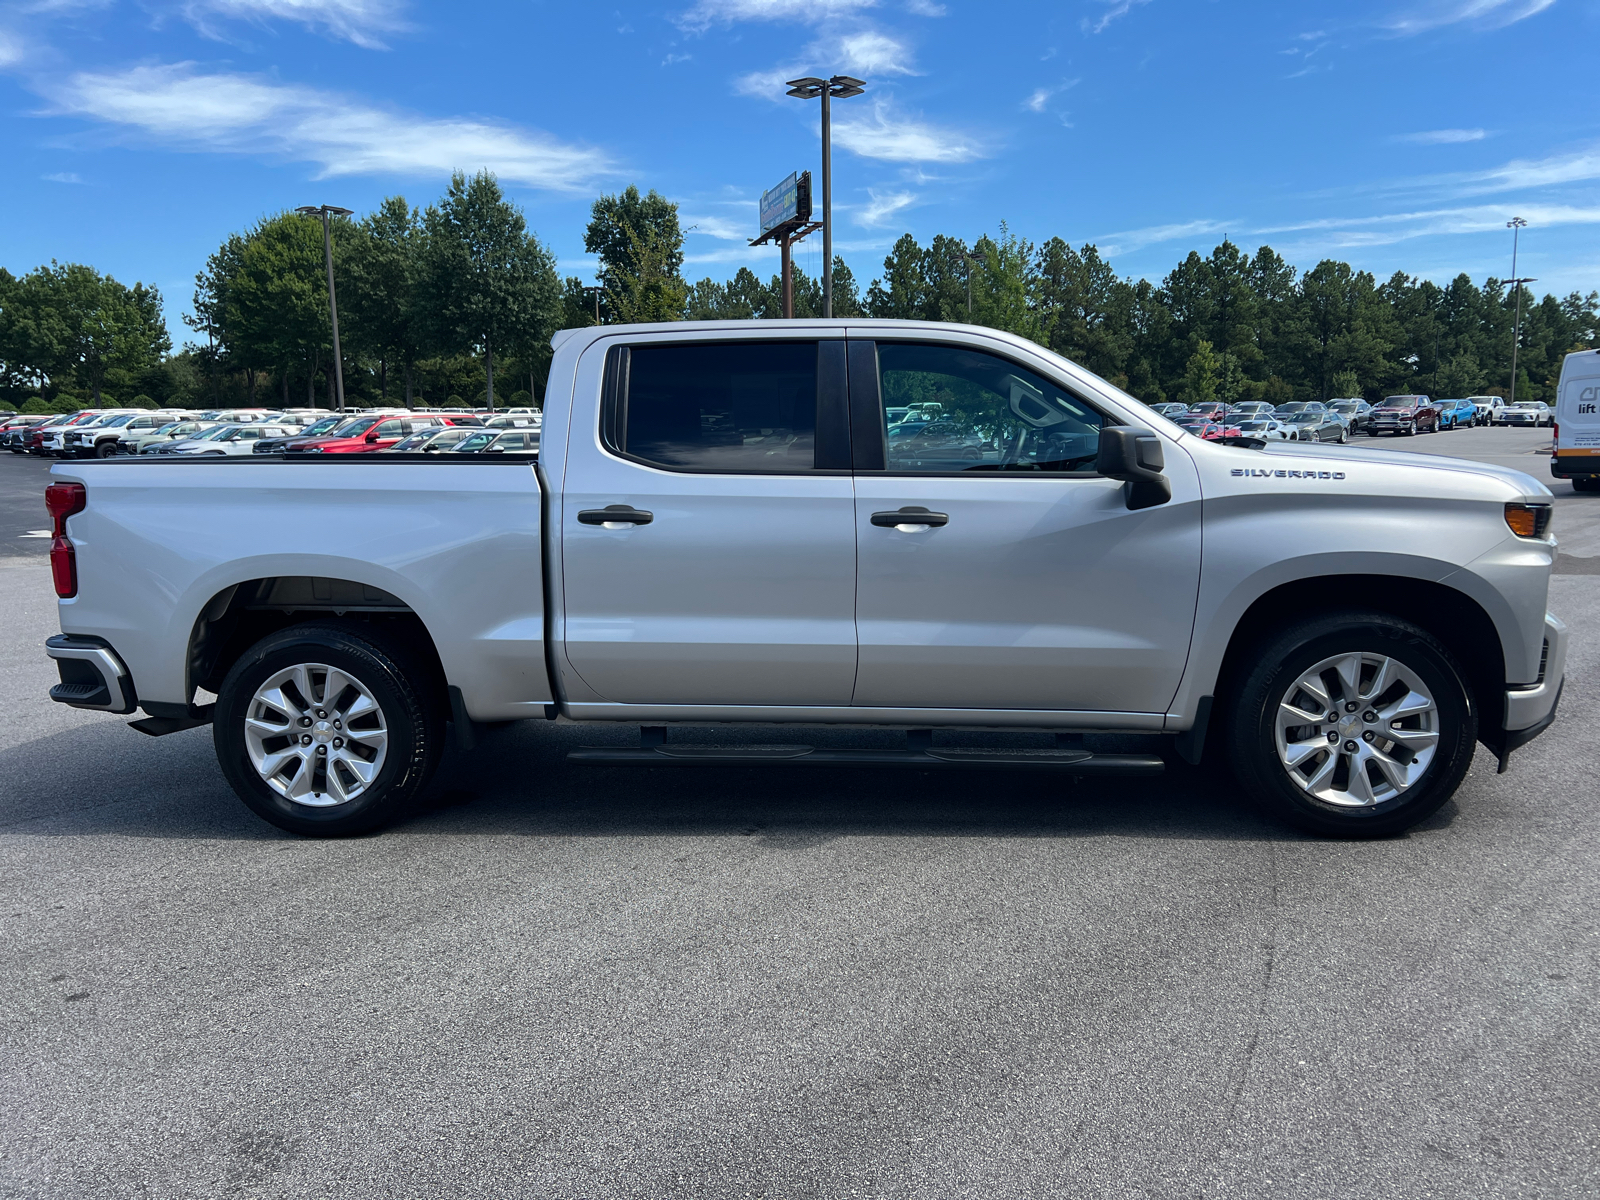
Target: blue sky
1394, 134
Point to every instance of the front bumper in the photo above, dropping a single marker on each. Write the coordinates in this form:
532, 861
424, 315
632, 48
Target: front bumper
1531, 708
92, 676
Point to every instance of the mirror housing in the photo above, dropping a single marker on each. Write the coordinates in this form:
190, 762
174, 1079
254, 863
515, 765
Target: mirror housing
1135, 457
372, 437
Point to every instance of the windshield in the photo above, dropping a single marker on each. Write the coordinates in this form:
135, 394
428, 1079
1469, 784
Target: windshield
1400, 401
1343, 406
358, 426
476, 442
215, 433
322, 426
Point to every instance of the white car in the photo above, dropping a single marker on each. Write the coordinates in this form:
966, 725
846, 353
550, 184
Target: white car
1264, 425
1526, 412
232, 439
1488, 408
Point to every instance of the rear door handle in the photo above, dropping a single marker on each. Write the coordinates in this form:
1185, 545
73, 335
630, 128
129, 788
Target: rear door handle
615, 516
910, 518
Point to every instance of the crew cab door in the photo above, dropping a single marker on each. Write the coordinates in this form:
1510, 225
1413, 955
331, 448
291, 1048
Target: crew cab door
708, 527
1024, 582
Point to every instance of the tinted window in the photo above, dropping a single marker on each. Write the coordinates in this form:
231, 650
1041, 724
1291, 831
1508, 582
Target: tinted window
992, 415
735, 407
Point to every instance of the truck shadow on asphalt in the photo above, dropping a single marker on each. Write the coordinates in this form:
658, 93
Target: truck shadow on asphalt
104, 779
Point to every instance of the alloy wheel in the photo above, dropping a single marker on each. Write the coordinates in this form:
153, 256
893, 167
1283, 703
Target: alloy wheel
316, 735
1357, 730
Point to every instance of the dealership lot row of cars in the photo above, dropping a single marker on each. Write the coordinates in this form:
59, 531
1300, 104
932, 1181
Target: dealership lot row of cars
105, 433
1337, 420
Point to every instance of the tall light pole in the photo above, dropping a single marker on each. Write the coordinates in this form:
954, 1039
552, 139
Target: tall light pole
327, 211
972, 258
1516, 225
839, 87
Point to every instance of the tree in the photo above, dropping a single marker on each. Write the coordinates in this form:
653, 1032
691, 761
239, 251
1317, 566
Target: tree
274, 292
640, 246
490, 286
380, 289
1201, 375
1346, 384
85, 324
902, 292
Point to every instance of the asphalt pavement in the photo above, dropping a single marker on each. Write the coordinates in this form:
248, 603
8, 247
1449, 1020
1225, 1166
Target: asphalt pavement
563, 981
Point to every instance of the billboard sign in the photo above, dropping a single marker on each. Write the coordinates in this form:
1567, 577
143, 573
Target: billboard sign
789, 201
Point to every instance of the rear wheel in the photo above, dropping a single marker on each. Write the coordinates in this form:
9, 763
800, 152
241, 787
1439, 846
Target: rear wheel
1352, 725
105, 449
1589, 483
326, 732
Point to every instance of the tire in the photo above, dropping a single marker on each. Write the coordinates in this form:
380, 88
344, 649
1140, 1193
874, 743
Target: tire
1343, 437
1387, 796
404, 694
1589, 483
105, 449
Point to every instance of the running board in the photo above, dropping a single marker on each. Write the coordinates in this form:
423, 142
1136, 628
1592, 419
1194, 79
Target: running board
1074, 762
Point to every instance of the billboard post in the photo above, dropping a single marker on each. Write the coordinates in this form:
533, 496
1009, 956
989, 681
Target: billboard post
786, 219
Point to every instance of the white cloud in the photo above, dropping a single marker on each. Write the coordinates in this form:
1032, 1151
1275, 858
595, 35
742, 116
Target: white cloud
178, 107
924, 8
358, 21
62, 177
10, 49
1486, 14
706, 13
1389, 228
1041, 96
1114, 9
883, 206
724, 228
869, 52
890, 138
1130, 240
1442, 137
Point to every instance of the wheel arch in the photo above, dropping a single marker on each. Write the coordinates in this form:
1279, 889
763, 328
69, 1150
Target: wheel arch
241, 614
1462, 624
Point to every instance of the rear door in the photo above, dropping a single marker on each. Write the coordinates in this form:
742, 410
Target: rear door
1578, 412
997, 569
708, 527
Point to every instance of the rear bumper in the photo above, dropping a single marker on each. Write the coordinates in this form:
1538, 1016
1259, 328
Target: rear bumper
1574, 466
92, 676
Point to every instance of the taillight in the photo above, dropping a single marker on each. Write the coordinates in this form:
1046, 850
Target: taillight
63, 500
1555, 438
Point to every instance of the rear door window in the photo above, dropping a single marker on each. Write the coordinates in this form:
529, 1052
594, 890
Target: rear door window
735, 407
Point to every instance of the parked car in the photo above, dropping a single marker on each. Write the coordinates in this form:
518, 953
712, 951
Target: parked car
1268, 427
1166, 410
1527, 412
15, 435
1293, 406
184, 445
103, 438
671, 568
231, 439
1357, 413
522, 443
322, 427
366, 434
1488, 408
432, 440
1202, 427
1314, 423
1457, 414
46, 439
172, 431
1406, 415
1576, 445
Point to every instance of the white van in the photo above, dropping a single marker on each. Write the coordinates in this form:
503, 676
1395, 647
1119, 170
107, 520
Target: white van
1577, 435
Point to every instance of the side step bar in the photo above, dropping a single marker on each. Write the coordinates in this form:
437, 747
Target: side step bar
1073, 762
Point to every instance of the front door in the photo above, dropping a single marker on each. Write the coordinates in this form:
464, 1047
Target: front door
708, 530
1029, 584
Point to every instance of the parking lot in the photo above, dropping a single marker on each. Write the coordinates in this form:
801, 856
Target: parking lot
567, 981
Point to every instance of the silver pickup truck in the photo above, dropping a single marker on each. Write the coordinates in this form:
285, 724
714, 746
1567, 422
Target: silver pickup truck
724, 527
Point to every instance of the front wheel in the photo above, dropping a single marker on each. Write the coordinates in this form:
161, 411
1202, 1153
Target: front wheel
1352, 725
325, 731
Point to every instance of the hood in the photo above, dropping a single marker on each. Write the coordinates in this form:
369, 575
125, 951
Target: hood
1519, 480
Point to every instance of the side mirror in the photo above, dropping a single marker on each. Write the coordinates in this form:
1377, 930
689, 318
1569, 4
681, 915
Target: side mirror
1134, 456
372, 437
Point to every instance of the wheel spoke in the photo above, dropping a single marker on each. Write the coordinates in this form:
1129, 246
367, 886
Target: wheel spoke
1349, 671
1323, 774
1408, 705
1360, 786
1415, 740
1399, 777
348, 769
1295, 753
1381, 678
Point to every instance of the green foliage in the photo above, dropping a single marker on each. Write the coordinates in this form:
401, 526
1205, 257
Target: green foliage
520, 399
640, 246
141, 401
453, 401
36, 405
490, 286
1201, 375
1346, 384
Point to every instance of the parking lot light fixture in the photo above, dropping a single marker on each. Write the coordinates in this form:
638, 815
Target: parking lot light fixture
1516, 225
838, 87
327, 211
983, 261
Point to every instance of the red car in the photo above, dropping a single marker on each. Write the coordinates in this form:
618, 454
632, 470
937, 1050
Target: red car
362, 435
1201, 428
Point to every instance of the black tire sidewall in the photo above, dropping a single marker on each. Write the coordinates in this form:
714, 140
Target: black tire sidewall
1252, 740
414, 733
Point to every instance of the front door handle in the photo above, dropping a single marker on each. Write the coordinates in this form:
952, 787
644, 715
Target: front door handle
615, 516
910, 519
